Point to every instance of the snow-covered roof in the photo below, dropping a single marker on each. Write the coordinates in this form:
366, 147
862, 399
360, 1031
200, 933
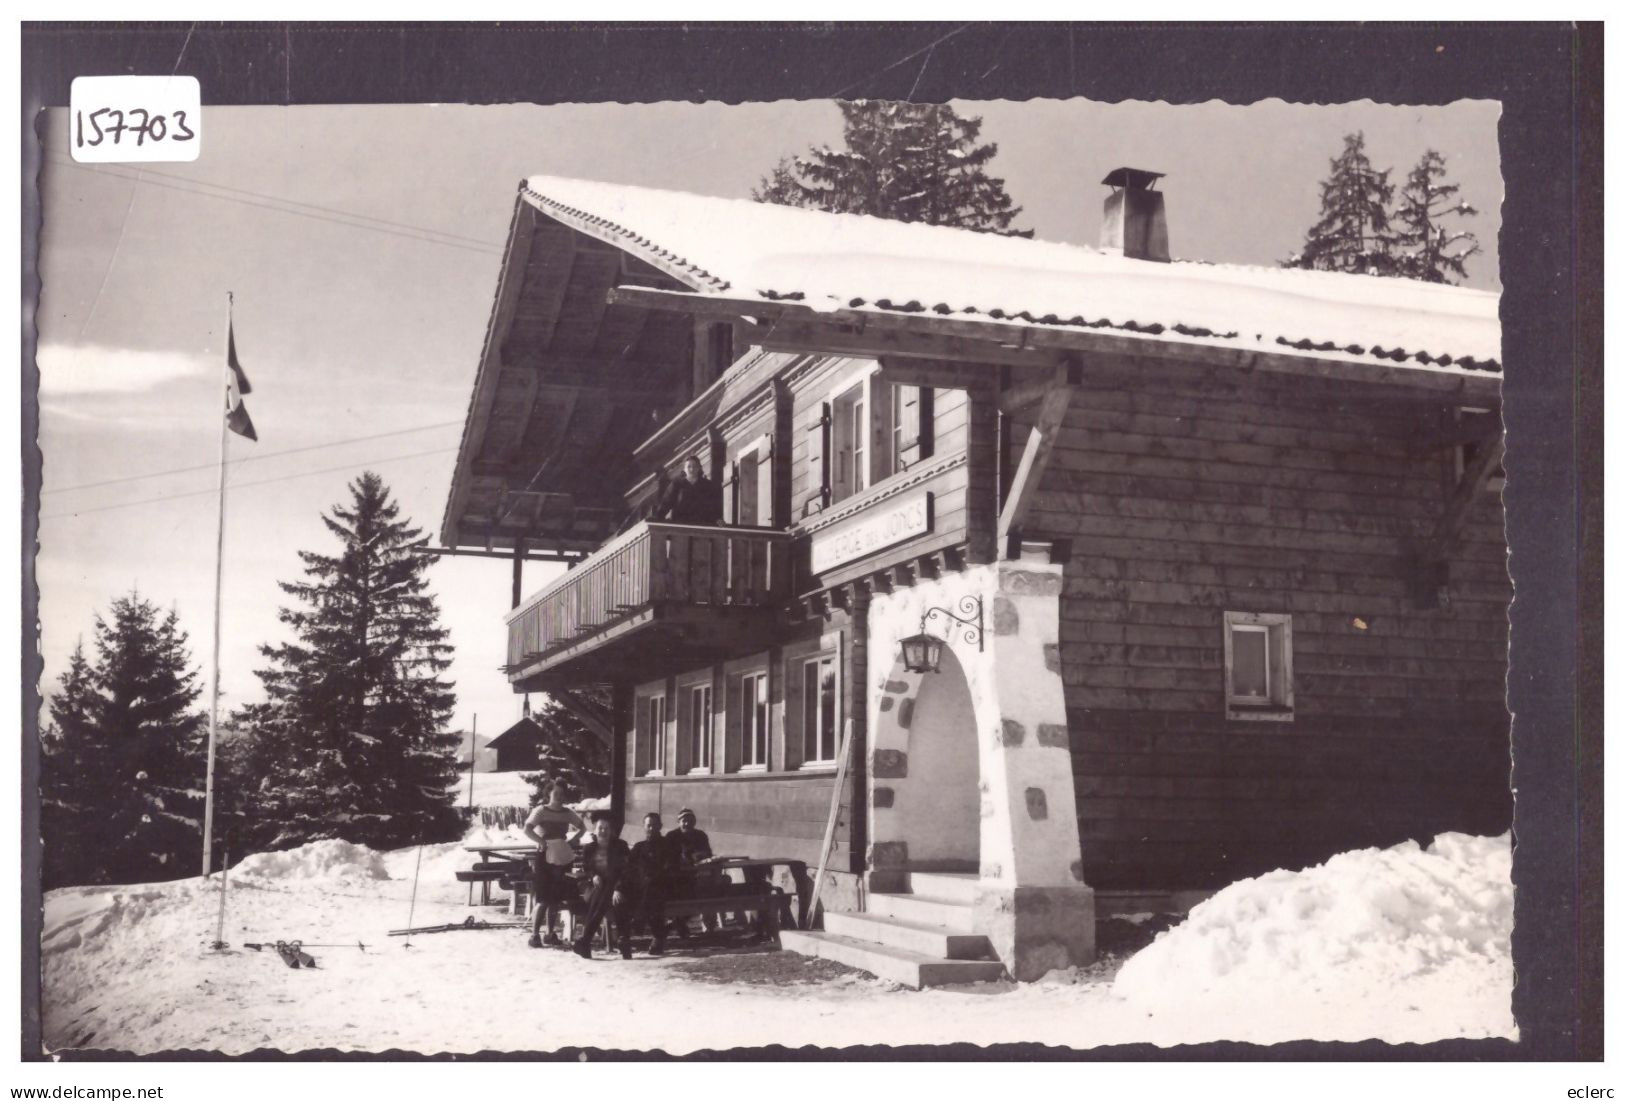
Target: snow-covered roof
748, 250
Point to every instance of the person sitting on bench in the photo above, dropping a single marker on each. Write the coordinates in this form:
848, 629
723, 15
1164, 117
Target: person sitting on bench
691, 847
607, 861
549, 826
653, 861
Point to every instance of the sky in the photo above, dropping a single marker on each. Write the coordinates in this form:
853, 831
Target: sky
362, 247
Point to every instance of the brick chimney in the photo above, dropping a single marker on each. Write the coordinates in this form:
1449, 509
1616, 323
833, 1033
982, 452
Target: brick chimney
1135, 224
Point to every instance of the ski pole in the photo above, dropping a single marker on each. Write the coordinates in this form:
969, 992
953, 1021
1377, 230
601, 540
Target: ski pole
412, 909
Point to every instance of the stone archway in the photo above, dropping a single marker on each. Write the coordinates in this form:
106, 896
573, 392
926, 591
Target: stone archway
927, 786
1031, 900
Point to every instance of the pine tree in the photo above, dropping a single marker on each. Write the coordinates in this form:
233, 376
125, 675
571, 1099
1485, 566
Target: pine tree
70, 785
352, 740
913, 162
572, 753
122, 781
1352, 234
1431, 251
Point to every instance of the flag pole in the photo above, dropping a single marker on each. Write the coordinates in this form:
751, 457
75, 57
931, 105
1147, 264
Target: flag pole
473, 752
214, 686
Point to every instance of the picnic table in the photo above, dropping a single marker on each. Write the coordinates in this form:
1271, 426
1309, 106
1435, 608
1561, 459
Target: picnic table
497, 863
755, 895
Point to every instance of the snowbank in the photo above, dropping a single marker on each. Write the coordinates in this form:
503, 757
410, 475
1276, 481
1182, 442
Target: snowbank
331, 859
1374, 943
1401, 945
81, 917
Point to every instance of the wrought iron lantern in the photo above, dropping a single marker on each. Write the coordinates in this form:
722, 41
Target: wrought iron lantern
922, 653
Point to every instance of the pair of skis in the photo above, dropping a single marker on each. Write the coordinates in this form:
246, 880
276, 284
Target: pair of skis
469, 923
292, 952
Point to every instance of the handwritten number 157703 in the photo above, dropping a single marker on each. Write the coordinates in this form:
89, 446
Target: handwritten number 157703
111, 122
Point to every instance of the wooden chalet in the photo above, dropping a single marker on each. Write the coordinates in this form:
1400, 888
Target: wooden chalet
1214, 555
519, 748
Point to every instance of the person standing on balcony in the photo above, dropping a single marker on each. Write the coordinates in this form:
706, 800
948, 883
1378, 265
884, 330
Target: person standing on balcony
690, 497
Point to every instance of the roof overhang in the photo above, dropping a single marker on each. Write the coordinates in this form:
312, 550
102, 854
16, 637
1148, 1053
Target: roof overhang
873, 332
568, 384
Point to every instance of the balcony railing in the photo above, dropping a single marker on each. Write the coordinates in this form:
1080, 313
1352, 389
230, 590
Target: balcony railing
651, 566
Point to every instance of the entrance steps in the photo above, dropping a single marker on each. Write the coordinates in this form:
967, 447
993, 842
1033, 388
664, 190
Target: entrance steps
925, 937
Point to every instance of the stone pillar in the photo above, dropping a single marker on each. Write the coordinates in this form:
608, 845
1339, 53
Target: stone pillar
1032, 902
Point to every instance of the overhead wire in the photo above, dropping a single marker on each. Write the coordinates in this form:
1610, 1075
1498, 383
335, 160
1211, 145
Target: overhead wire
249, 458
147, 174
298, 209
245, 485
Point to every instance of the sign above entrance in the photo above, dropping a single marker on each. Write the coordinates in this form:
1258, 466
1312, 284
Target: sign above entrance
875, 529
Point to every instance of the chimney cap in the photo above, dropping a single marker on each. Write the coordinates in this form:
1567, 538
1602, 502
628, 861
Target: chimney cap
1138, 178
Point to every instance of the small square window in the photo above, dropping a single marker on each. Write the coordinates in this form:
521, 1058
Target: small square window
1258, 665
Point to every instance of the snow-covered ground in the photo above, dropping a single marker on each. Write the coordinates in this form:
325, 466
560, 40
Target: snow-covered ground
495, 789
1404, 944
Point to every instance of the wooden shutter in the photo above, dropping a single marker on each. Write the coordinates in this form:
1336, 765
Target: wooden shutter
924, 424
907, 413
818, 491
764, 481
730, 494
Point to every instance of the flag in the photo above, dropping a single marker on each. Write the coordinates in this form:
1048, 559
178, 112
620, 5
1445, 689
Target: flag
237, 418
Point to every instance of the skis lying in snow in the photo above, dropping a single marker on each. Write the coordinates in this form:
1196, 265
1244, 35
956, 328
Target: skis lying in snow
293, 952
468, 923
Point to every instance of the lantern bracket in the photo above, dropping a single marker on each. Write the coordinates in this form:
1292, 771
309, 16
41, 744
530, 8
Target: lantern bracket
970, 618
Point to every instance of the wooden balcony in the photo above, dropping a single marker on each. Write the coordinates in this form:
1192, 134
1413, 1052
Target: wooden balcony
654, 594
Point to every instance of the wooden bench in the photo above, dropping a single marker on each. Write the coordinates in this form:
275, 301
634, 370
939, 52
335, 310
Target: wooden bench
476, 875
769, 904
484, 879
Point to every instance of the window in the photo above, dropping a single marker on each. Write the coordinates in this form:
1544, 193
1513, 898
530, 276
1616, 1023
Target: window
753, 720
851, 444
1258, 665
814, 711
747, 495
820, 710
650, 741
698, 725
1487, 425
870, 431
905, 413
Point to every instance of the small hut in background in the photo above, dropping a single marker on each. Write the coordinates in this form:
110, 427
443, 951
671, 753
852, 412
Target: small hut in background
519, 747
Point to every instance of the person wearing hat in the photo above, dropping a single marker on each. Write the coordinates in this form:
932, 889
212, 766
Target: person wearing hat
691, 847
688, 840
